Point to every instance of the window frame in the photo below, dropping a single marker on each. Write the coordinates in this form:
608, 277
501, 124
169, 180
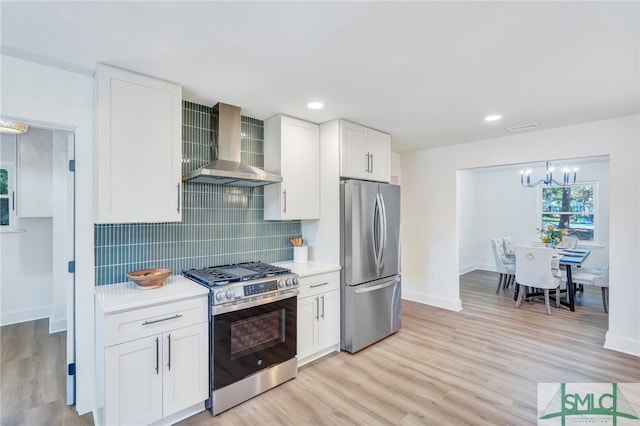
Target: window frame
596, 209
11, 189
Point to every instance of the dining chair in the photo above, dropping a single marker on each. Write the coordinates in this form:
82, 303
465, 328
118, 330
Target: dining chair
538, 267
506, 268
595, 277
507, 246
570, 242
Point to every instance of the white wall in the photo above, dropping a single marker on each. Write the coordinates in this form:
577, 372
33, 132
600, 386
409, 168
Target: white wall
431, 218
26, 256
58, 99
26, 277
496, 205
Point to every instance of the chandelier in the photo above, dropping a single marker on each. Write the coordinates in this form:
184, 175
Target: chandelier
568, 177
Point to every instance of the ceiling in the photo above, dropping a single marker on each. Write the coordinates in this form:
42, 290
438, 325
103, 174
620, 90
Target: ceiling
426, 72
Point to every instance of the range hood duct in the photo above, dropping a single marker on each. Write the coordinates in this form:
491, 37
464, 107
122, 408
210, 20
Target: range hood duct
227, 169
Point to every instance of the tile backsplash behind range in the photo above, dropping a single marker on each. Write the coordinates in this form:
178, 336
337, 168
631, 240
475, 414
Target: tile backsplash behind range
220, 224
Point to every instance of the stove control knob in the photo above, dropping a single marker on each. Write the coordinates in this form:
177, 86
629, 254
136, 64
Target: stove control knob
219, 296
281, 283
289, 282
230, 294
295, 281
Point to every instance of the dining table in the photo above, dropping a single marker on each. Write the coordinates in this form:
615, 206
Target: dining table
570, 257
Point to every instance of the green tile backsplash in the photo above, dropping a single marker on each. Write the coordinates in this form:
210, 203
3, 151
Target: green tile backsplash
220, 224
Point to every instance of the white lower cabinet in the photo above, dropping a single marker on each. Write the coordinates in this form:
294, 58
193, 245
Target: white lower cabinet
155, 363
318, 316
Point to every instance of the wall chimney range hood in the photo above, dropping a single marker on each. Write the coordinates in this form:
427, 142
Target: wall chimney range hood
228, 169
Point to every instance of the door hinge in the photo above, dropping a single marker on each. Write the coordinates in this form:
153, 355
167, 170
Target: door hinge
71, 267
72, 165
71, 369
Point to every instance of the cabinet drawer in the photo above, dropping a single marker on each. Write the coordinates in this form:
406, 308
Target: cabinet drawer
316, 284
138, 323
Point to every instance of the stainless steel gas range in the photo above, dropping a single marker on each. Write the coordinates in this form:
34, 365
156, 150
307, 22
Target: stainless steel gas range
252, 332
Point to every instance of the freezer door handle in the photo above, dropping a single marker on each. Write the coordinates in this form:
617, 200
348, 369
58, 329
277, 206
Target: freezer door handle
385, 284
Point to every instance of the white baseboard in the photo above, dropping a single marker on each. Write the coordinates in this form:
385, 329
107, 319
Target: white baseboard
439, 302
627, 346
57, 325
15, 317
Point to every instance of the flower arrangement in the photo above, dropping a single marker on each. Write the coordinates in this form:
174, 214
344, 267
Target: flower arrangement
551, 236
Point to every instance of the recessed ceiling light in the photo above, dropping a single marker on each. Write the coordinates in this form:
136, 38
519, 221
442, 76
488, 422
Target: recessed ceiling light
493, 117
315, 105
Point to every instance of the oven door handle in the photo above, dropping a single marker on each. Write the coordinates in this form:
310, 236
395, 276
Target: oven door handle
217, 310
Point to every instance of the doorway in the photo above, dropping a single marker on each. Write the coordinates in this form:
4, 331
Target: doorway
37, 243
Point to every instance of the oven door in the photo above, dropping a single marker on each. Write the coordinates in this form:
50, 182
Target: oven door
251, 339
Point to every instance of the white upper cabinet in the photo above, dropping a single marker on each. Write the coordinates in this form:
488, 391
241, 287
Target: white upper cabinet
292, 150
139, 148
364, 153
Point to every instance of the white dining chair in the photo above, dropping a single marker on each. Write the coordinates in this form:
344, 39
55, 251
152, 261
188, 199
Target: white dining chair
538, 267
506, 268
507, 245
570, 242
594, 277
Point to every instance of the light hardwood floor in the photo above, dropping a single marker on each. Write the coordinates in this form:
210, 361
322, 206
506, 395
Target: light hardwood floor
478, 366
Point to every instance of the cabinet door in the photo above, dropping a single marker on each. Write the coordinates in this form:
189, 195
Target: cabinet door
186, 368
329, 331
133, 382
292, 150
354, 158
300, 169
139, 148
307, 326
380, 149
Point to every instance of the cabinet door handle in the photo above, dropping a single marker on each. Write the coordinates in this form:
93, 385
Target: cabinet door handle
323, 307
318, 285
371, 170
178, 209
162, 319
169, 361
317, 308
13, 200
157, 355
284, 201
367, 168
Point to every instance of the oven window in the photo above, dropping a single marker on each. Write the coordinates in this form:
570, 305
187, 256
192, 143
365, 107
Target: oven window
257, 333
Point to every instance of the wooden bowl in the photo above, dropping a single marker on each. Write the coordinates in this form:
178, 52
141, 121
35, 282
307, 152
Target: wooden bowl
149, 278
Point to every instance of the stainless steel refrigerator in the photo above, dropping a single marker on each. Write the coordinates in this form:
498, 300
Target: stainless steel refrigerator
370, 258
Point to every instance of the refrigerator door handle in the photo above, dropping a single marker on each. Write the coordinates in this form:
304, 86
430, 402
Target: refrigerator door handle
385, 284
374, 232
383, 218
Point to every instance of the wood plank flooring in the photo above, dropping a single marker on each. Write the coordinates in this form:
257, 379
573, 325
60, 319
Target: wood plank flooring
479, 366
32, 373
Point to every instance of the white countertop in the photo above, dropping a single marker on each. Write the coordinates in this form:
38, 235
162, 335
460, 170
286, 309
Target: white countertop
124, 296
309, 268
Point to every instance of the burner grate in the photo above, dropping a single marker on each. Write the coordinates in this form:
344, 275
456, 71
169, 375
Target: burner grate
222, 275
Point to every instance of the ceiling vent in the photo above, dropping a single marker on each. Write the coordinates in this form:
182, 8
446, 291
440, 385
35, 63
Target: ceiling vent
522, 127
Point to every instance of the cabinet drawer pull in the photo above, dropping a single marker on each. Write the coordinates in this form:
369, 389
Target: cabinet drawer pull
157, 355
318, 285
162, 319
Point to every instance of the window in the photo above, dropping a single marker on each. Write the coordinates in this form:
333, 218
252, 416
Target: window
7, 212
571, 208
